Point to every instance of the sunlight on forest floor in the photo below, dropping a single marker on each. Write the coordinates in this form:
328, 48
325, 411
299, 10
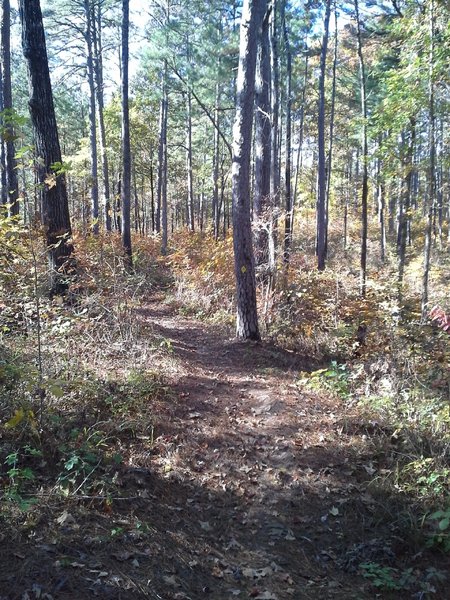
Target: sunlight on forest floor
156, 457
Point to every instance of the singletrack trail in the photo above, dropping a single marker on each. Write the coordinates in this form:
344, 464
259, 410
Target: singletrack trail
248, 486
274, 503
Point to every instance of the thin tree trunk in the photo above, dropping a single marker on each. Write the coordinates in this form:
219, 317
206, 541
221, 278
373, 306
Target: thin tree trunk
288, 200
301, 130
365, 157
331, 140
126, 148
261, 194
12, 184
275, 150
189, 170
431, 199
162, 126
321, 168
89, 16
405, 208
152, 192
215, 174
164, 215
381, 212
98, 73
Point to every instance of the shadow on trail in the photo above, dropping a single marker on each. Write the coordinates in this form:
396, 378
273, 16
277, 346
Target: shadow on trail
187, 534
247, 488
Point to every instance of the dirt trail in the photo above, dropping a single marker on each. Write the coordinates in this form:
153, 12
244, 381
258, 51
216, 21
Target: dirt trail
251, 487
274, 505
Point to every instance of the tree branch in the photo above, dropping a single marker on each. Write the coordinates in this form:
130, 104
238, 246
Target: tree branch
205, 110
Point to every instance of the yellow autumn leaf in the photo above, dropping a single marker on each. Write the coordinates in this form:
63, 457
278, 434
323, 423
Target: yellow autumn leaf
16, 419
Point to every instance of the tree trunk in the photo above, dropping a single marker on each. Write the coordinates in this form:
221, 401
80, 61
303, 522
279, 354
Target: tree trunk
261, 198
89, 16
215, 174
275, 113
405, 203
54, 203
331, 140
98, 73
431, 199
189, 170
12, 190
288, 203
126, 149
162, 126
301, 131
365, 157
164, 215
251, 22
322, 170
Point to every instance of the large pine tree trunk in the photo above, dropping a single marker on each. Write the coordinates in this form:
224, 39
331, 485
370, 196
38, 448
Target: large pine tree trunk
247, 319
126, 149
54, 203
11, 171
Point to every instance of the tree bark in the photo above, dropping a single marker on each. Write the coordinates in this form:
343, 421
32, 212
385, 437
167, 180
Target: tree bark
275, 134
331, 139
288, 201
12, 189
98, 73
247, 319
126, 148
322, 171
405, 203
89, 16
261, 198
189, 170
53, 192
431, 199
365, 157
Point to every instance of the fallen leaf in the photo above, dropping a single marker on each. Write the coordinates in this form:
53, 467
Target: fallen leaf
217, 572
170, 580
370, 469
122, 556
257, 573
65, 518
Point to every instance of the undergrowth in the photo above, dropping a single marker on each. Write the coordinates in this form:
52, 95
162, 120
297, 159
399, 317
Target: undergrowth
77, 397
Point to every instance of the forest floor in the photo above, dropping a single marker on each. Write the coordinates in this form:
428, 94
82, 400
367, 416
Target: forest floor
243, 485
